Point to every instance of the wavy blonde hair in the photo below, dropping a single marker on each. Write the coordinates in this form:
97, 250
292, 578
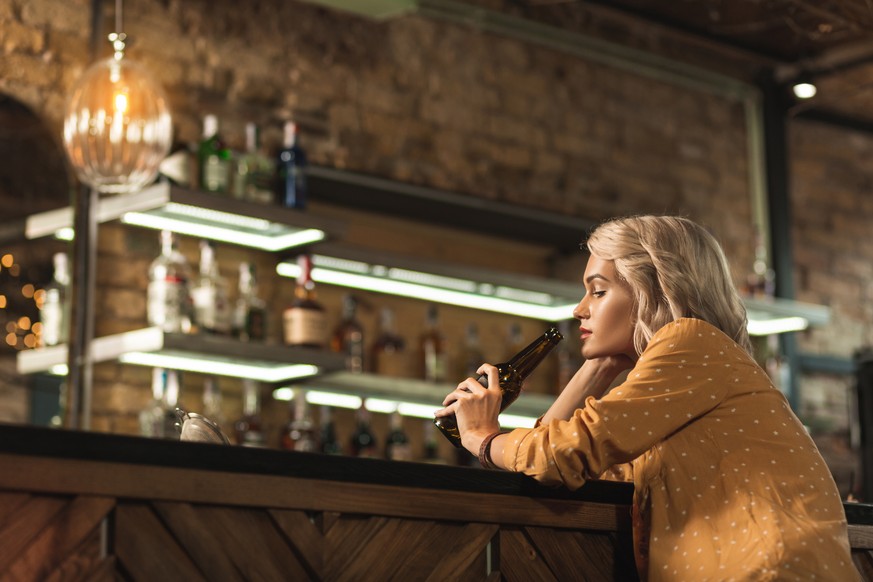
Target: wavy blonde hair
675, 269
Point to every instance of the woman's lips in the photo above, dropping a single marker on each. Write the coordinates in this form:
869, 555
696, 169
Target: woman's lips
586, 333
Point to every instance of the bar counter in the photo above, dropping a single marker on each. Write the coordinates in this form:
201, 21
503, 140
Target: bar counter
91, 506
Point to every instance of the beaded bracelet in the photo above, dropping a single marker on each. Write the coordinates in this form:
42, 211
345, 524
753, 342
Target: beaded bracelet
485, 450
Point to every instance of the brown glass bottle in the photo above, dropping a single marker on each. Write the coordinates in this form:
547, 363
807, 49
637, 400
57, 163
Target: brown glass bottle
305, 323
348, 337
248, 429
432, 349
511, 375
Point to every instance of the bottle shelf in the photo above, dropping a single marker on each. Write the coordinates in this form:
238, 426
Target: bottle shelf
207, 354
201, 214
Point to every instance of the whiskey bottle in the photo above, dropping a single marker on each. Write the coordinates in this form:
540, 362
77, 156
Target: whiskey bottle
169, 304
291, 188
388, 355
249, 430
304, 320
397, 447
214, 158
511, 375
432, 349
55, 310
250, 311
299, 433
330, 445
363, 443
348, 337
211, 303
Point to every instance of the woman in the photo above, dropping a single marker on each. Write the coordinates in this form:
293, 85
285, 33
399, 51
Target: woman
728, 484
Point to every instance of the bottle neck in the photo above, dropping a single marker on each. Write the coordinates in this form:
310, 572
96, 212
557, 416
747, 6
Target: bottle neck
524, 362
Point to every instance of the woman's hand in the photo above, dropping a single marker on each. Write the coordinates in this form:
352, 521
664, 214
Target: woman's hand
475, 408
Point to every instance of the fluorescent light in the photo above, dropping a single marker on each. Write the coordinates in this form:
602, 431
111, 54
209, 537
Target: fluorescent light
66, 233
436, 288
516, 421
804, 90
205, 365
225, 233
59, 370
778, 325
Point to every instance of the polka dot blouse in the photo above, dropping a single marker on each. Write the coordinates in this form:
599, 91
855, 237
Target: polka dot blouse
728, 484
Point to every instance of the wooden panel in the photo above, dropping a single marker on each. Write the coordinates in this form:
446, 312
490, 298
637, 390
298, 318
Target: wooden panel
579, 555
24, 524
9, 502
171, 484
863, 560
85, 563
861, 536
69, 529
145, 550
519, 560
466, 546
304, 536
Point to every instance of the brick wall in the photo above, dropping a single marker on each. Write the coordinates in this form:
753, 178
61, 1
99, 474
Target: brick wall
416, 100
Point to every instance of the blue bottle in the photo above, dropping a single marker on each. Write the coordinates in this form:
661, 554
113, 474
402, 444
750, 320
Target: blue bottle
291, 171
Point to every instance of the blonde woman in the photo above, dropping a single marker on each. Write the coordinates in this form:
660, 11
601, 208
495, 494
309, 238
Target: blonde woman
728, 485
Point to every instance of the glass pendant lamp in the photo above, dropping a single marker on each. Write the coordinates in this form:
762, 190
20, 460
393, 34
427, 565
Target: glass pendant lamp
117, 127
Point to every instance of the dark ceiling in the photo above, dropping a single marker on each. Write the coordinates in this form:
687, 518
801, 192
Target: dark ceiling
830, 42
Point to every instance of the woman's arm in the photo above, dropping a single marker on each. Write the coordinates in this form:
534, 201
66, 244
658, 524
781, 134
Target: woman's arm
592, 379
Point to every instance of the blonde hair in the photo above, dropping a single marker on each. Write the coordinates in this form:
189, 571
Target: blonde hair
675, 269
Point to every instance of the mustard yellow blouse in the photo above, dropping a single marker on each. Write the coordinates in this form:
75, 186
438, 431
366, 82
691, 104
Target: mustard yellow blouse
728, 484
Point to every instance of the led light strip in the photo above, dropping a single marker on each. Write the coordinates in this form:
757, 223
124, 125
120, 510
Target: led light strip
778, 325
425, 293
225, 234
191, 363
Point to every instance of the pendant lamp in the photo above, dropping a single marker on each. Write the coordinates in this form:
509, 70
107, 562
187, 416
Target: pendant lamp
117, 127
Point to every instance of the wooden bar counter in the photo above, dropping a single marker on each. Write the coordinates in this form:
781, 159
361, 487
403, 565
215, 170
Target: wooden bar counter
89, 506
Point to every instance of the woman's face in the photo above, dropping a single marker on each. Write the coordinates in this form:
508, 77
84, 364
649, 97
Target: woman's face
605, 314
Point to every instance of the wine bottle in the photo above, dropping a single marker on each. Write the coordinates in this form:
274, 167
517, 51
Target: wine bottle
388, 355
397, 446
511, 374
211, 303
330, 445
248, 429
250, 311
299, 432
214, 158
169, 303
363, 443
252, 171
304, 320
55, 310
291, 187
348, 337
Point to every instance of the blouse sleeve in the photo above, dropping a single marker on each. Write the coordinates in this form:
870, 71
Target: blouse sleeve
677, 379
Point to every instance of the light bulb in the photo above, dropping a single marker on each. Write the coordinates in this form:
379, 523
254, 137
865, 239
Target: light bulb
117, 127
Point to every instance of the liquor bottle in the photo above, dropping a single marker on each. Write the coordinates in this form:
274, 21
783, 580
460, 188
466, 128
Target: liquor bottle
397, 447
432, 349
250, 311
511, 374
158, 419
291, 187
55, 310
363, 443
348, 337
388, 355
214, 158
211, 303
252, 171
304, 320
431, 446
169, 303
329, 443
299, 433
248, 429
471, 357
212, 401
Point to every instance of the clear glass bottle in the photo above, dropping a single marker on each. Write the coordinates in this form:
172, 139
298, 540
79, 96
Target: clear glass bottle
397, 446
214, 158
511, 376
299, 433
363, 442
348, 337
55, 310
158, 419
388, 356
432, 348
212, 401
305, 322
250, 311
249, 428
169, 304
211, 302
291, 188
252, 171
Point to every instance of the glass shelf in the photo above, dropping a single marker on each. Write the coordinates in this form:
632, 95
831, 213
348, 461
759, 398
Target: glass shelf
206, 354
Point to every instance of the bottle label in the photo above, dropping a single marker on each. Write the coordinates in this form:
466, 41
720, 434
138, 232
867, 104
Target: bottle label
305, 326
215, 174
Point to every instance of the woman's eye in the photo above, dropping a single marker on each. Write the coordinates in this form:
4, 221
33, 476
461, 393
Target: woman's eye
598, 293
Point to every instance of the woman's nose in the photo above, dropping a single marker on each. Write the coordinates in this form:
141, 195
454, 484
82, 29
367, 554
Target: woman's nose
581, 309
